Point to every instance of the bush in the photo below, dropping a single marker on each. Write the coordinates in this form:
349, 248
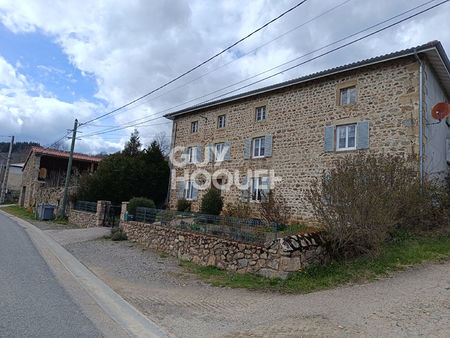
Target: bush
212, 203
275, 210
117, 234
139, 202
184, 205
238, 209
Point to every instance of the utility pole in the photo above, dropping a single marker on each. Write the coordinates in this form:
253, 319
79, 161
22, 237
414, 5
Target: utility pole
69, 169
5, 179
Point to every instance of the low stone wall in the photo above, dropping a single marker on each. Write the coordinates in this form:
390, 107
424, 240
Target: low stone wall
83, 219
275, 259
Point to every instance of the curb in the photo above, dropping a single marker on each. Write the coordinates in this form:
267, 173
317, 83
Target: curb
122, 312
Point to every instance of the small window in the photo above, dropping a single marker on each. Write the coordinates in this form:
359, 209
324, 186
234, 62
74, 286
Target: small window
221, 122
192, 155
194, 127
258, 147
346, 137
261, 113
256, 189
348, 95
190, 190
219, 152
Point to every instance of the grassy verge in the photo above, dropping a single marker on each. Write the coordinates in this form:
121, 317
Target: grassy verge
393, 257
19, 212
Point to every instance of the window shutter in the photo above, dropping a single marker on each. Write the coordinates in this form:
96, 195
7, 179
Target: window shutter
362, 135
198, 154
268, 145
265, 189
329, 139
184, 157
244, 190
211, 152
195, 191
247, 148
227, 151
181, 190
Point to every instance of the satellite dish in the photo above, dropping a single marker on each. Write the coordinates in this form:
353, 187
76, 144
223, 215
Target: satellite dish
440, 111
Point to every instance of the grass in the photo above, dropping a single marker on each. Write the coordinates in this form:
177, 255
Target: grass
19, 212
393, 257
295, 229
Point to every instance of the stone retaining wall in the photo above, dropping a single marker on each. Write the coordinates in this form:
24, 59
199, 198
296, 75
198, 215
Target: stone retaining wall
83, 219
275, 259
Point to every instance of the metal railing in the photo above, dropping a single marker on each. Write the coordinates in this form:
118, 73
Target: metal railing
239, 229
86, 206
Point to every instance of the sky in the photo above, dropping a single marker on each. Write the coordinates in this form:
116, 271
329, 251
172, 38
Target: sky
61, 60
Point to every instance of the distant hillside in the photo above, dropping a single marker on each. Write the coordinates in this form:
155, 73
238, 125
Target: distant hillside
20, 151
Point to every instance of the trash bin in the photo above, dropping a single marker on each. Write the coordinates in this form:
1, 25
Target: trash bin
46, 211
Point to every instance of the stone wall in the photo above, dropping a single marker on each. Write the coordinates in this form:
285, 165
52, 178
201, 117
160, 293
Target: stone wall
275, 259
83, 219
387, 95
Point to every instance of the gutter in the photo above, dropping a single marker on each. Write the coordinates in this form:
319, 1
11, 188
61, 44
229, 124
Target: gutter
420, 117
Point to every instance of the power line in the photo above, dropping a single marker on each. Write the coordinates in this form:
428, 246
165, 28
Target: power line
287, 69
199, 65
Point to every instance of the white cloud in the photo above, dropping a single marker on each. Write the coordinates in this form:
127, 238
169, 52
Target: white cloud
131, 47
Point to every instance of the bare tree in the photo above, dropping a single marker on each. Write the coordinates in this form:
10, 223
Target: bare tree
60, 145
163, 142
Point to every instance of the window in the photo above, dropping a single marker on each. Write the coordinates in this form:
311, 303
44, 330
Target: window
190, 190
258, 147
348, 95
192, 155
194, 127
346, 137
261, 113
220, 152
216, 184
259, 189
221, 122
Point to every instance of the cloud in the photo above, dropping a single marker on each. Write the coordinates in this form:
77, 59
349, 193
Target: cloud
132, 47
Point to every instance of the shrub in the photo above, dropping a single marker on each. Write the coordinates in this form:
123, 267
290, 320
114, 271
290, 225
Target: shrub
139, 202
212, 203
275, 210
184, 205
358, 202
117, 234
238, 209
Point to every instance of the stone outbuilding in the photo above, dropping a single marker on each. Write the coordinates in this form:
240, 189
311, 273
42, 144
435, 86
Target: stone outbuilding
44, 175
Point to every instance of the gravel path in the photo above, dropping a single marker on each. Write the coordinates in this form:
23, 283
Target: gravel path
415, 302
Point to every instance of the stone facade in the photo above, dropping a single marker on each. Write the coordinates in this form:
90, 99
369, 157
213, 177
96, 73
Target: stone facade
387, 97
275, 259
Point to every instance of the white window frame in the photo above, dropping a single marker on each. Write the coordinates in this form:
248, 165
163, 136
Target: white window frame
261, 114
346, 127
221, 121
189, 193
194, 127
256, 147
192, 154
347, 99
219, 154
256, 188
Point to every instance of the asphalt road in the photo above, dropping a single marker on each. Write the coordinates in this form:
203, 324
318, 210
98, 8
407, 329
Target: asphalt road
32, 302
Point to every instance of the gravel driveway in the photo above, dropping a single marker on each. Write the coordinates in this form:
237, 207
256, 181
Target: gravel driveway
415, 302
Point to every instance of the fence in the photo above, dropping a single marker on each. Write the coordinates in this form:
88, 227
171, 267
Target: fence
86, 206
239, 229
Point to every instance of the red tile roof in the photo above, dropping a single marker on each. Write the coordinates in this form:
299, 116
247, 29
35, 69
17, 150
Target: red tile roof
62, 154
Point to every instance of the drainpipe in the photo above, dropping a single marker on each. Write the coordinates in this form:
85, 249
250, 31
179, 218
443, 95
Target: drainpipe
420, 117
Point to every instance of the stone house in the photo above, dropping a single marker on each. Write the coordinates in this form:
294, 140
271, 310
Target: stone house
44, 174
283, 136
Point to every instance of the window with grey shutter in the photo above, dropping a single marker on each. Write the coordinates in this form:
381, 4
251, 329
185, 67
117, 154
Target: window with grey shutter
181, 190
184, 156
244, 190
265, 189
362, 135
247, 148
211, 152
329, 139
198, 154
268, 145
227, 151
195, 190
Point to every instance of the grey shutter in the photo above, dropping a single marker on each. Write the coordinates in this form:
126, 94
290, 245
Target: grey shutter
198, 154
362, 135
194, 191
181, 190
244, 190
265, 189
227, 151
211, 152
329, 139
247, 148
268, 145
184, 156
